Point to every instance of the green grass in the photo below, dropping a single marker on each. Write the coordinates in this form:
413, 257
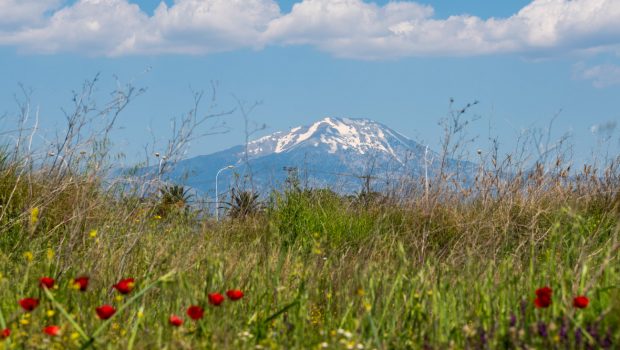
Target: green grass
317, 269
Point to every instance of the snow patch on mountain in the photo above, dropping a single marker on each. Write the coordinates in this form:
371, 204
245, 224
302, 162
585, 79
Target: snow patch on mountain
360, 136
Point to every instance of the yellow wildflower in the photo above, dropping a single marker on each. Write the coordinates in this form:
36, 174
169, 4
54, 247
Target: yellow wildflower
367, 306
50, 254
50, 313
93, 233
28, 256
34, 215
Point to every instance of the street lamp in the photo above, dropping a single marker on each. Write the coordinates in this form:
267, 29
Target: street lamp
217, 209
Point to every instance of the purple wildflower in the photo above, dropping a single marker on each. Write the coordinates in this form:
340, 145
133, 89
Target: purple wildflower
578, 336
606, 343
542, 329
513, 320
523, 308
563, 331
483, 338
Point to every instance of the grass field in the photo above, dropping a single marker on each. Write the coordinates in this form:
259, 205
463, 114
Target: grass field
446, 269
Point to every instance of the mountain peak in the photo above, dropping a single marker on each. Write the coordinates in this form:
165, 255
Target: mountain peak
361, 136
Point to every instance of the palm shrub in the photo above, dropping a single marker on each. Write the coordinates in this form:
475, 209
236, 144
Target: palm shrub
243, 204
173, 198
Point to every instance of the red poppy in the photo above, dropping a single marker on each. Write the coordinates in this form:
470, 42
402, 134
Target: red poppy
543, 297
125, 286
195, 312
81, 283
544, 292
215, 299
581, 302
46, 282
105, 311
29, 304
176, 321
234, 294
5, 333
52, 331
542, 303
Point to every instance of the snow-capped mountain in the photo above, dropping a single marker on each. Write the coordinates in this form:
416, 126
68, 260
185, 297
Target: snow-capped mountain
339, 153
361, 136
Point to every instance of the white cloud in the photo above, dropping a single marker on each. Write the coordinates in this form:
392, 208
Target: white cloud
16, 13
117, 27
345, 28
352, 28
203, 26
94, 27
601, 76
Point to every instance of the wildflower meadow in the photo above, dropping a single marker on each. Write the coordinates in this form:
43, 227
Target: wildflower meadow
534, 266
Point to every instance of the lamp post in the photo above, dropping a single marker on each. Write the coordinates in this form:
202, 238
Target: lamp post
217, 209
161, 160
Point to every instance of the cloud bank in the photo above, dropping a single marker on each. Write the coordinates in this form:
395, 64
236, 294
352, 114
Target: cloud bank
344, 28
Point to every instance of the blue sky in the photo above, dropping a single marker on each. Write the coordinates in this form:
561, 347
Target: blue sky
396, 62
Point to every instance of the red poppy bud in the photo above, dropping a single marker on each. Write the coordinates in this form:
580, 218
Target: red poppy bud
5, 333
46, 282
176, 321
195, 312
29, 304
215, 299
125, 286
81, 283
105, 311
234, 294
52, 331
581, 302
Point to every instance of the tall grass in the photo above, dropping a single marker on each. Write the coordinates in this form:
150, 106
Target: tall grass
442, 270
